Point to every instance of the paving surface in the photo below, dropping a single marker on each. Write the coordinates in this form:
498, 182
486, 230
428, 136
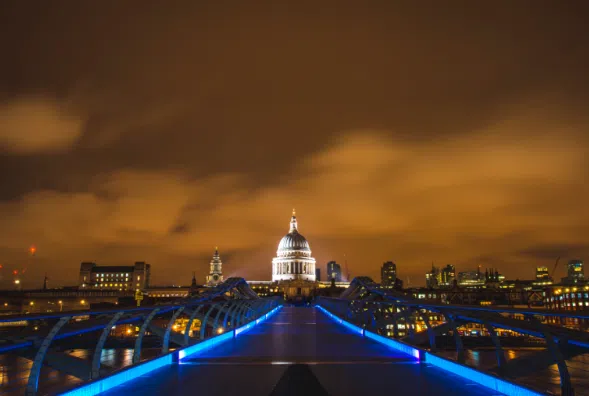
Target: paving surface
300, 351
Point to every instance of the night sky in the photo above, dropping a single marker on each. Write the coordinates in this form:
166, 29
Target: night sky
445, 131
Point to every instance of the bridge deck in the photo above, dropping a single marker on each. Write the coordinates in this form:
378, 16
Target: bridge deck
334, 361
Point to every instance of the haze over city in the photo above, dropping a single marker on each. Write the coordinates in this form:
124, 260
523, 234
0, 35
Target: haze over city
405, 132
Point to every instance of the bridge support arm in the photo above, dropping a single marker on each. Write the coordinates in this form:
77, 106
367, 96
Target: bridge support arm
95, 371
33, 380
189, 324
457, 339
203, 325
139, 340
166, 339
565, 378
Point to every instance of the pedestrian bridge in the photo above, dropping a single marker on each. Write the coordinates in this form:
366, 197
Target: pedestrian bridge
300, 351
369, 340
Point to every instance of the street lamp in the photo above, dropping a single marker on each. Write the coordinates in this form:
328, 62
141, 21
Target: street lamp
60, 305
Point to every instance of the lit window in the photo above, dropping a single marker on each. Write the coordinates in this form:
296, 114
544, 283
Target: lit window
138, 277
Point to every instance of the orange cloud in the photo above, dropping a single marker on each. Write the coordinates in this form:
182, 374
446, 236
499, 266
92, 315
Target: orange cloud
34, 125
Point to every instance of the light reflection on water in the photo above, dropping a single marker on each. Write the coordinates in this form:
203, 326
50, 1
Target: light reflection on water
14, 370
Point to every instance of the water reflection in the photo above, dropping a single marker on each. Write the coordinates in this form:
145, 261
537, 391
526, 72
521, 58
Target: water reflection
14, 370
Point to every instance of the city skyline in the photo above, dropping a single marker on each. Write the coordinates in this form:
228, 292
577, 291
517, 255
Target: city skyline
398, 132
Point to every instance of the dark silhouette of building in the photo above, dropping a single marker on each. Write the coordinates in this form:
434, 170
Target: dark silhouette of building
447, 276
318, 274
575, 272
388, 274
334, 271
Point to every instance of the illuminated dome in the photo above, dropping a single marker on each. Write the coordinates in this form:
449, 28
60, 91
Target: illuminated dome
293, 240
293, 258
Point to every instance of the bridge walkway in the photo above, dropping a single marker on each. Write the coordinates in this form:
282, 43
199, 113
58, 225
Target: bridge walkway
299, 351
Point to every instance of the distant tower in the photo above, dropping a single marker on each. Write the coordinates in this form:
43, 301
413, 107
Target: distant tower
193, 286
215, 275
388, 274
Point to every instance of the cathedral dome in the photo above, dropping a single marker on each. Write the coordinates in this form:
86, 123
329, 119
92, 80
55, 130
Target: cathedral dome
293, 241
293, 259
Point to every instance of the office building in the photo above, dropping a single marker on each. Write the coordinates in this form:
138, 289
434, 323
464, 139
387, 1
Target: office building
123, 278
334, 271
447, 276
388, 274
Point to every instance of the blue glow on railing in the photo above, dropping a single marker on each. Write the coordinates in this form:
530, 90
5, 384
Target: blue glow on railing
484, 379
248, 326
399, 346
243, 328
104, 384
130, 373
481, 378
206, 344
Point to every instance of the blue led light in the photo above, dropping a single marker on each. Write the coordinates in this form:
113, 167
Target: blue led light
103, 384
206, 344
484, 379
399, 346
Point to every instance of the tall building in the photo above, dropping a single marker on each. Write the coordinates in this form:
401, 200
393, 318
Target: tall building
575, 272
132, 277
334, 271
433, 278
215, 275
293, 258
318, 274
471, 278
447, 276
542, 274
388, 274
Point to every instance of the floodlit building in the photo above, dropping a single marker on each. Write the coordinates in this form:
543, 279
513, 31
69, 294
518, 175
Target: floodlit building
293, 259
122, 278
215, 275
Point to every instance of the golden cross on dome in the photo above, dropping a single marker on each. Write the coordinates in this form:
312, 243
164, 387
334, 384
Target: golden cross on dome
294, 213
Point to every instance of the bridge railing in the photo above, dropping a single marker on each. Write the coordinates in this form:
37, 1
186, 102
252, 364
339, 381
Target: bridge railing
418, 322
41, 353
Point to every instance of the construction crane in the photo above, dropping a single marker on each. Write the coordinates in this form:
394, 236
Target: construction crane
554, 269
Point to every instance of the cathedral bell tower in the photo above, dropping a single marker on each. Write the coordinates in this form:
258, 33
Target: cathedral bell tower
215, 275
